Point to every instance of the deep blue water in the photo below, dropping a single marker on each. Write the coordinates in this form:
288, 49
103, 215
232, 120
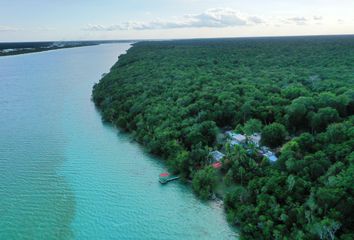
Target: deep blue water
66, 175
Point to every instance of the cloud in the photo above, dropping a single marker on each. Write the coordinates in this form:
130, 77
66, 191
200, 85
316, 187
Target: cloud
44, 29
212, 18
340, 21
302, 21
7, 29
34, 29
256, 20
298, 20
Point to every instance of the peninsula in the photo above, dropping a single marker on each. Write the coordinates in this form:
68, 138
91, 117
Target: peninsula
268, 122
15, 48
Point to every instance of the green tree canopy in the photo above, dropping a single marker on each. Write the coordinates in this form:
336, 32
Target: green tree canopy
252, 126
273, 135
204, 182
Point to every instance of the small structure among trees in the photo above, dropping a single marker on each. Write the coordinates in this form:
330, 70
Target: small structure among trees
253, 140
216, 156
236, 138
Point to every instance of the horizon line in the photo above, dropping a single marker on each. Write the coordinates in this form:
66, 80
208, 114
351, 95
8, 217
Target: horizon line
178, 39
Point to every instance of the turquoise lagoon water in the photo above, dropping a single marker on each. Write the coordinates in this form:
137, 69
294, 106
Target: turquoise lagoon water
66, 175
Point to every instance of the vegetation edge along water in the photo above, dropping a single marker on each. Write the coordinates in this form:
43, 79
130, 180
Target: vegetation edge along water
17, 48
179, 97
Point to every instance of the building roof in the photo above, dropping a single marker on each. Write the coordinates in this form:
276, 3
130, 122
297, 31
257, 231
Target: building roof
239, 137
255, 138
217, 165
236, 136
164, 174
216, 155
271, 156
234, 142
264, 150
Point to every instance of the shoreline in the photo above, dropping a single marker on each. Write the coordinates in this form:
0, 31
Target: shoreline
175, 97
13, 49
216, 197
113, 180
21, 52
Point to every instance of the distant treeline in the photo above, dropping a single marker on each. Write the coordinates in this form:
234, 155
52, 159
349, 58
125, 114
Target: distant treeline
14, 48
176, 97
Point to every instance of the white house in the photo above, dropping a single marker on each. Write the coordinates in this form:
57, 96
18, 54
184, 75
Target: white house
236, 138
255, 139
216, 156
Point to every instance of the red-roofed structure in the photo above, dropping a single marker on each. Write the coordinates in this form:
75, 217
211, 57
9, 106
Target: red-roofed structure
217, 165
164, 174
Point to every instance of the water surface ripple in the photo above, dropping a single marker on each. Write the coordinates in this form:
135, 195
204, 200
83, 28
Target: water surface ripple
66, 175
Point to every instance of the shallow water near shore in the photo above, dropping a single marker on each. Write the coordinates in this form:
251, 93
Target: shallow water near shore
66, 175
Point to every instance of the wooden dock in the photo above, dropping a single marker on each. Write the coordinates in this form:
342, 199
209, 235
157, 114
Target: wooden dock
166, 177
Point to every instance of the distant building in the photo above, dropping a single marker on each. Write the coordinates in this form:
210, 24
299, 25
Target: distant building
265, 152
255, 139
271, 156
216, 156
236, 138
240, 139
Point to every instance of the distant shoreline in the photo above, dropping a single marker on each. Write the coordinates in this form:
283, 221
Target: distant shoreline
19, 52
10, 49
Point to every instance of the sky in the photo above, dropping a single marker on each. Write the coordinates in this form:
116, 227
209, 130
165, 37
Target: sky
62, 20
